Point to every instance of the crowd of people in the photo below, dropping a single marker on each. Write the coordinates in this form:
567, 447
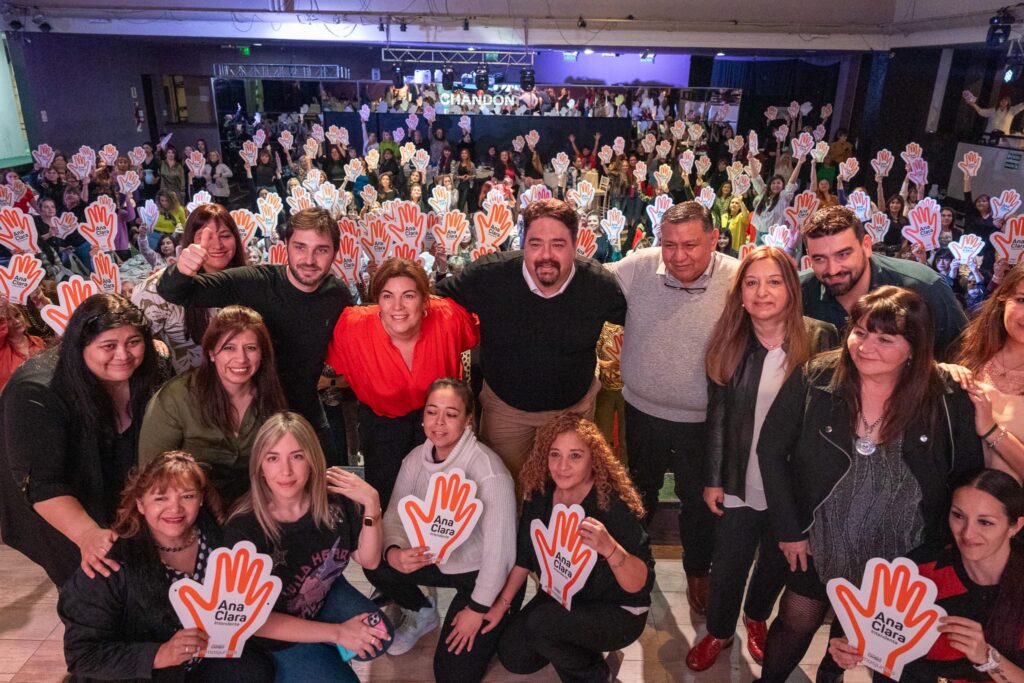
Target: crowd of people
559, 340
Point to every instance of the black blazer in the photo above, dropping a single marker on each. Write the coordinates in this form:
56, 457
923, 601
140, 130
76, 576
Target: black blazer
804, 451
730, 421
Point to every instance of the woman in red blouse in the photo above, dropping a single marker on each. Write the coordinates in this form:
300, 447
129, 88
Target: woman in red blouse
390, 353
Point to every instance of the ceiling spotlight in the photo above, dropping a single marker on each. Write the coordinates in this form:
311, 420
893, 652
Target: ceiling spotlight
999, 27
581, 23
527, 79
465, 24
380, 24
15, 25
447, 78
480, 78
719, 54
403, 27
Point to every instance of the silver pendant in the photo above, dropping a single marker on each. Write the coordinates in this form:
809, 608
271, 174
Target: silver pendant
865, 446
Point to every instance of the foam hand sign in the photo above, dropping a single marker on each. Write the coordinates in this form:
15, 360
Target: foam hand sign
428, 113
247, 224
565, 562
347, 226
924, 224
467, 125
233, 601
781, 133
337, 136
410, 225
300, 200
848, 169
70, 294
777, 236
892, 618
314, 178
818, 133
372, 160
398, 135
686, 160
826, 111
106, 277
364, 113
353, 170
195, 162
918, 172
771, 113
663, 148
346, 261
482, 250
612, 348
753, 167
560, 163
613, 224
128, 182
493, 227
970, 164
368, 195
741, 185
534, 194
806, 108
420, 160
662, 176
969, 97
451, 230
911, 152
605, 155
819, 152
270, 208
317, 132
860, 202
745, 250
6, 196
148, 214
640, 172
648, 143
882, 163
583, 195
518, 142
706, 197
753, 143
20, 277
802, 144
441, 199
1006, 204
877, 227
259, 137
100, 225
967, 248
696, 131
311, 147
376, 239
79, 166
63, 225
248, 153
619, 145
286, 140
326, 196
43, 154
734, 171
1009, 242
278, 255
445, 518
495, 196
793, 110
586, 243
656, 211
198, 199
18, 190
108, 153
804, 206
735, 145
406, 153
678, 129
18, 231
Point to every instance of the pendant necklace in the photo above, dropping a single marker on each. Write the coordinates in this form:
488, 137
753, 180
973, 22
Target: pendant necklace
864, 444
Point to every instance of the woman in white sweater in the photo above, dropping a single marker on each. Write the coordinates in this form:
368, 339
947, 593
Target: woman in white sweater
477, 566
772, 200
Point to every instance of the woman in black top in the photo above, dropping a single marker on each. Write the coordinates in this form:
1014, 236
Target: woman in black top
572, 465
856, 454
71, 419
980, 583
466, 174
122, 626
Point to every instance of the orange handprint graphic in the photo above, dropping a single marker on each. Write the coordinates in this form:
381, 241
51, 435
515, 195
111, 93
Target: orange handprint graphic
804, 206
447, 520
247, 224
493, 227
346, 261
565, 562
892, 618
278, 255
1009, 242
70, 294
18, 231
347, 226
376, 239
482, 250
924, 224
586, 243
409, 225
100, 225
20, 278
452, 229
404, 251
106, 277
234, 600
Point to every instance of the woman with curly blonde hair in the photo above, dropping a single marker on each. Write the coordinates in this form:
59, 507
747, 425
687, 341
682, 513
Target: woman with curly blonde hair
572, 466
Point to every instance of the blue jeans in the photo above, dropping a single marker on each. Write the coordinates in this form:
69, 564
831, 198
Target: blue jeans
322, 661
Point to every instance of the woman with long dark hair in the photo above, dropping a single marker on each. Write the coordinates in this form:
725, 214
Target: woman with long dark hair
772, 200
856, 455
215, 410
71, 419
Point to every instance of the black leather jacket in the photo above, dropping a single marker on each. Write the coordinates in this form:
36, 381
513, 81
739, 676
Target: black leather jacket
730, 421
805, 444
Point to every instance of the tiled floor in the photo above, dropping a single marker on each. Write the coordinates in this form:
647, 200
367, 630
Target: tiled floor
31, 637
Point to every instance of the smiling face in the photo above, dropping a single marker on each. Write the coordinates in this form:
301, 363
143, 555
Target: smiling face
171, 513
221, 249
166, 247
839, 261
875, 354
445, 418
570, 463
549, 252
237, 359
686, 249
1013, 315
285, 468
982, 205
980, 524
309, 259
401, 307
764, 292
115, 354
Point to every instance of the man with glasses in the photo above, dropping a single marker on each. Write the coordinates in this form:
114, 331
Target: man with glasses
674, 294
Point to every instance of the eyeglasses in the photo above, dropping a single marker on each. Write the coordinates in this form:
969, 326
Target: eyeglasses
694, 290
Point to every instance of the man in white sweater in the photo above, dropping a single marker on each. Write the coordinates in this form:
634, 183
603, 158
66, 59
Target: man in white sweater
674, 294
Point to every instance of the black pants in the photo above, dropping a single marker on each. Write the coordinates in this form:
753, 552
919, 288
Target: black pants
254, 666
741, 533
385, 441
468, 666
545, 633
656, 446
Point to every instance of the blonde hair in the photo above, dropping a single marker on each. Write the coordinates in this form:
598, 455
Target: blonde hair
609, 474
259, 499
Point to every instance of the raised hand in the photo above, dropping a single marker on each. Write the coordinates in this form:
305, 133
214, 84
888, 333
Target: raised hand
109, 154
182, 647
286, 140
518, 142
706, 196
136, 156
248, 153
195, 163
443, 520
912, 151
917, 171
741, 185
560, 163
819, 152
193, 257
686, 160
781, 133
703, 165
848, 169
804, 206
777, 236
43, 154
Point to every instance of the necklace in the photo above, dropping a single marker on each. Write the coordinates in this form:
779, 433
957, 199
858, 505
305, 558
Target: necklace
1003, 369
864, 444
188, 544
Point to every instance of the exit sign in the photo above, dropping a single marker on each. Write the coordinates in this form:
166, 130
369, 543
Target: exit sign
244, 50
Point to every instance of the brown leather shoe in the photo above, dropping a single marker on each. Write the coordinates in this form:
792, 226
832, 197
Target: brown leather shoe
757, 634
705, 653
697, 589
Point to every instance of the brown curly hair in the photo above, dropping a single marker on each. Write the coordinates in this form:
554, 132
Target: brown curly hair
609, 474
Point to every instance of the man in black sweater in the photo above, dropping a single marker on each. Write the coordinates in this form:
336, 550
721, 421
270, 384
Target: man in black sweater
541, 312
300, 304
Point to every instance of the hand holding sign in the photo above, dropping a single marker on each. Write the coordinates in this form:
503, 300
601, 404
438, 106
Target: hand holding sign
967, 248
63, 225
848, 169
20, 278
771, 113
804, 206
860, 202
195, 163
346, 260
1006, 204
286, 140
364, 113
560, 163
128, 182
703, 165
912, 151
79, 166
695, 130
678, 129
447, 520
741, 185
924, 224
109, 154
892, 618
656, 211
781, 133
970, 163
43, 155
802, 145
1009, 242
819, 152
311, 148
663, 148
565, 562
706, 198
583, 195
248, 153
648, 143
300, 200
918, 172
969, 97
18, 231
777, 236
618, 145
686, 160
882, 163
605, 155
259, 137
466, 124
337, 136
234, 600
70, 294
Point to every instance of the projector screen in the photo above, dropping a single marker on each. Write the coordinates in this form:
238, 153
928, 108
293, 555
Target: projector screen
14, 149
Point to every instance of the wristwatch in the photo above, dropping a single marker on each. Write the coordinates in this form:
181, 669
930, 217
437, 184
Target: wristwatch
991, 663
370, 520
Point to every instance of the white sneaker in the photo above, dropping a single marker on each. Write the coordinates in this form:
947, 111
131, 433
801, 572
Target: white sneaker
414, 626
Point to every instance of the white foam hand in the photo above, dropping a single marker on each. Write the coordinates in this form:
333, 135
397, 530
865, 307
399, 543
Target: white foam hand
70, 295
18, 231
1006, 204
878, 227
565, 561
970, 163
20, 277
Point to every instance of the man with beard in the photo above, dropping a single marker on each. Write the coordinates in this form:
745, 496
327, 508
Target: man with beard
541, 312
843, 269
300, 303
676, 293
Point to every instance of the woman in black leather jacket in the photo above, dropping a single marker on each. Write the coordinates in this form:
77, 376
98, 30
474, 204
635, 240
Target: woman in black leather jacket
856, 455
759, 340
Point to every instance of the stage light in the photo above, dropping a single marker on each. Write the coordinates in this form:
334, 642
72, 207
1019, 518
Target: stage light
15, 25
999, 28
403, 27
527, 79
480, 78
45, 27
447, 78
397, 79
719, 54
647, 57
581, 23
1010, 75
588, 51
465, 24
